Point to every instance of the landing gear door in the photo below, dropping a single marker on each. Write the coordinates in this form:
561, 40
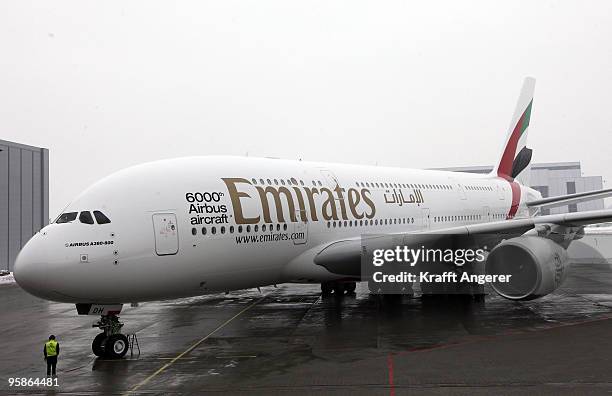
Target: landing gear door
166, 234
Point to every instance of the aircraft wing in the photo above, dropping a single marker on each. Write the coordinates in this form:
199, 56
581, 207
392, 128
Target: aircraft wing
563, 200
343, 257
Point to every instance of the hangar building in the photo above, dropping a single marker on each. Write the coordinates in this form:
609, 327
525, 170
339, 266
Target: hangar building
24, 197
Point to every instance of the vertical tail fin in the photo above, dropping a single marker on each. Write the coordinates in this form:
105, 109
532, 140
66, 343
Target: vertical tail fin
515, 156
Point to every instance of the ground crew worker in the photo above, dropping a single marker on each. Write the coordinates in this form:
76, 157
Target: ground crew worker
51, 351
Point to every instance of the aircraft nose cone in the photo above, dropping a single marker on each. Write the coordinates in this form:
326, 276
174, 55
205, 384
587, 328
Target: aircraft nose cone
31, 271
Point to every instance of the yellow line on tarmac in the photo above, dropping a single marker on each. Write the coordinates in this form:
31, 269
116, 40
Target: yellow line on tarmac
191, 348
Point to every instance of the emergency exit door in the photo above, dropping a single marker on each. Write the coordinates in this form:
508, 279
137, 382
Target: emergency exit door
166, 234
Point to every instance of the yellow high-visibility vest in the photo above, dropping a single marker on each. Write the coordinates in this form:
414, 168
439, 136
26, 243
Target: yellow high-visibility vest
51, 348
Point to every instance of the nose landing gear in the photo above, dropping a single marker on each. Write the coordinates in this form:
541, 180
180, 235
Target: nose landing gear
110, 343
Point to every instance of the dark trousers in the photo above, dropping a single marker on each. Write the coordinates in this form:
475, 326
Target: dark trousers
51, 363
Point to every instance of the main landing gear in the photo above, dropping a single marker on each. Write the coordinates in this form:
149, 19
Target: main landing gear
110, 343
338, 288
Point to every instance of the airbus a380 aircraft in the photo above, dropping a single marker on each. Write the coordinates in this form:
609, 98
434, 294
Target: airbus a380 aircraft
191, 226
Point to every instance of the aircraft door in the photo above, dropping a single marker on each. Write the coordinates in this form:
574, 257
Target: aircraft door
330, 178
300, 229
486, 214
331, 182
426, 220
166, 234
459, 187
500, 191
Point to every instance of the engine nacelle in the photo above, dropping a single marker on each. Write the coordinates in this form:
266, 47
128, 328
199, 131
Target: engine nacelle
538, 267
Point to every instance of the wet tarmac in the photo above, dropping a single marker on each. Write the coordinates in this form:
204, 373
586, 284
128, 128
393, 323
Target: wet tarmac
289, 340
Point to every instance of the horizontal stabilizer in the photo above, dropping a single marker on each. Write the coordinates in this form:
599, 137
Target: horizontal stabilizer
576, 219
563, 200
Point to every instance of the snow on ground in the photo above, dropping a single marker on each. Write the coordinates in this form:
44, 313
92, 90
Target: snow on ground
7, 279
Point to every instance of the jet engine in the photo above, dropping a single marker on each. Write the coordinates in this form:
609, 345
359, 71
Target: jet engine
538, 266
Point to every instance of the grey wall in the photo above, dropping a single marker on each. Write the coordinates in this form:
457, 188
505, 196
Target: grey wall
24, 197
553, 179
567, 178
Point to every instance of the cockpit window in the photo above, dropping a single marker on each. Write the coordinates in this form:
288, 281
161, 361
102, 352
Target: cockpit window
101, 217
85, 217
67, 217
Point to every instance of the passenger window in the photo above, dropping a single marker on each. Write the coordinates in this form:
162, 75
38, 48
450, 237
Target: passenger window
85, 217
66, 217
101, 217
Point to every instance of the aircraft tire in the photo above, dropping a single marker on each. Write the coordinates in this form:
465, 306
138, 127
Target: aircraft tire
97, 346
338, 289
350, 287
116, 346
326, 289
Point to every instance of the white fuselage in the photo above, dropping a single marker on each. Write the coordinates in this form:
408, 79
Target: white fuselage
198, 225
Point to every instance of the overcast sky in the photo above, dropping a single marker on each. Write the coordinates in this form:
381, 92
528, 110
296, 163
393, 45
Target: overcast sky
106, 85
